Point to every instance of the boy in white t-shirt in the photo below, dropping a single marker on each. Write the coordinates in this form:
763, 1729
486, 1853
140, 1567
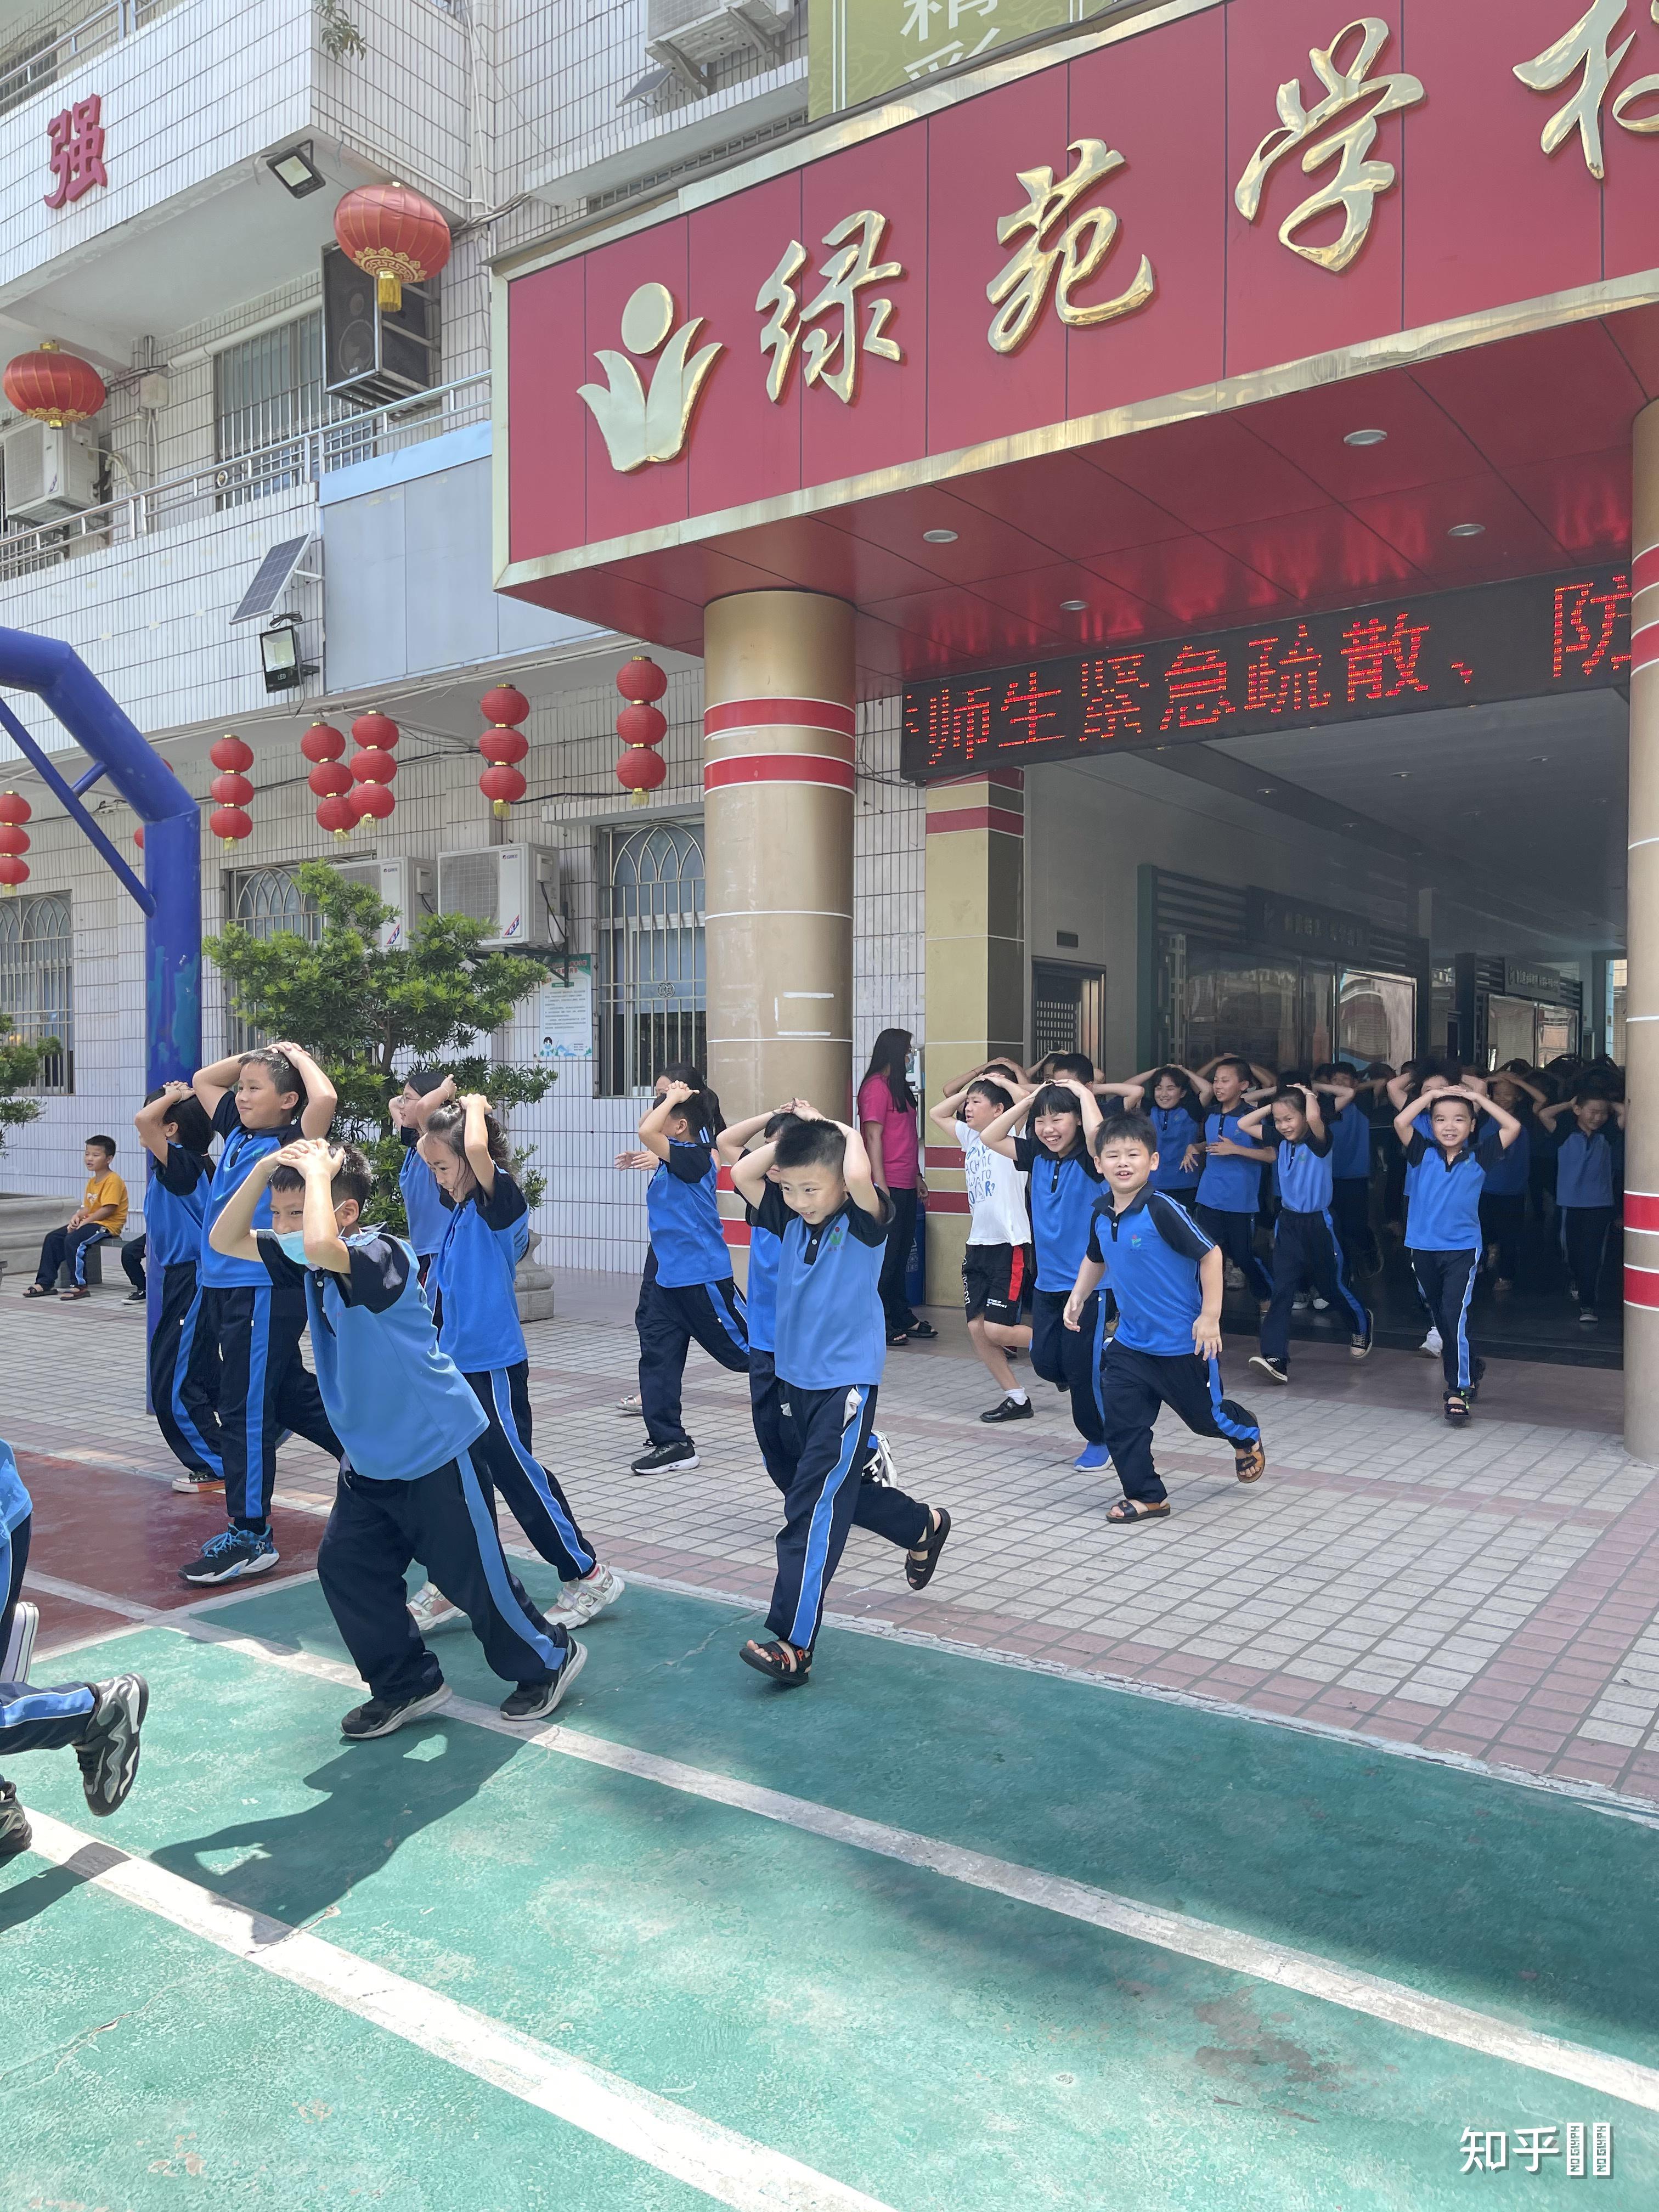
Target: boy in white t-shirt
996, 1270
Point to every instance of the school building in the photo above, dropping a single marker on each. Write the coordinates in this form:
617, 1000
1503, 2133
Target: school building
1150, 523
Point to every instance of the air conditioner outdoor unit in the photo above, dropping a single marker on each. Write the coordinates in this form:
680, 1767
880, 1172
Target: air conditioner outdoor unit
399, 882
515, 888
686, 35
50, 474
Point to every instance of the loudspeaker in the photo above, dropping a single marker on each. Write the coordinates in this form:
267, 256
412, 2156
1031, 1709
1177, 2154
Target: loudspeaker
372, 355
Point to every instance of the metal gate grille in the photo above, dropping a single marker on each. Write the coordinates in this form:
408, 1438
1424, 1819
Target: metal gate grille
37, 983
650, 946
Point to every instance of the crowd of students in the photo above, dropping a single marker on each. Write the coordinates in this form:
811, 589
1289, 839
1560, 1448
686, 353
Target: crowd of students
1106, 1219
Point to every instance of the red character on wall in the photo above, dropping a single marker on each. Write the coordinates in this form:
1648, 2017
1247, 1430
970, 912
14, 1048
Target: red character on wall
77, 151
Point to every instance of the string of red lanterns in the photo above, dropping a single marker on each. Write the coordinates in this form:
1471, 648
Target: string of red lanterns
503, 747
373, 766
642, 726
15, 811
231, 790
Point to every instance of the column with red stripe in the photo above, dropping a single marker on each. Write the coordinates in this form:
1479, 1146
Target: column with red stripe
1641, 944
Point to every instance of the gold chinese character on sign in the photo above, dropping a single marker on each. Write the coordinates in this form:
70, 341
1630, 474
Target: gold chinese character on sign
1587, 49
1350, 91
831, 352
1021, 287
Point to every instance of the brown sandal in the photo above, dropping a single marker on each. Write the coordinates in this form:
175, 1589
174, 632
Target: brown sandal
37, 1291
1250, 1466
1128, 1510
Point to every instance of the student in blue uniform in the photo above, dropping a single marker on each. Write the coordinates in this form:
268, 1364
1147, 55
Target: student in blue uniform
831, 1223
1351, 1165
424, 1091
257, 1101
1229, 1194
1589, 1165
183, 1351
1504, 1200
1060, 1120
761, 1299
408, 1485
1175, 1102
687, 1291
1443, 1227
1166, 1275
1306, 1249
486, 1234
99, 1721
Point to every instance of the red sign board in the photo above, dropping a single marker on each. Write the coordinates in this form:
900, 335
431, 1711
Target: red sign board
1179, 208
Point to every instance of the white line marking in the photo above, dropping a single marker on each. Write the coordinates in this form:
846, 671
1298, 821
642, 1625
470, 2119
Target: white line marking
717, 2160
1252, 1956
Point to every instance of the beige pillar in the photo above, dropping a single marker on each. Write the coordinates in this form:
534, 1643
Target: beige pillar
976, 905
1642, 942
778, 722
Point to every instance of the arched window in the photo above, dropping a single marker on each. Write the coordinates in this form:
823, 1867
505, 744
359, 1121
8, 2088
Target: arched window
650, 954
267, 903
37, 982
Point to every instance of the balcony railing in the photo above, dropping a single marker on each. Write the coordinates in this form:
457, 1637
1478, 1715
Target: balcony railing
284, 465
35, 59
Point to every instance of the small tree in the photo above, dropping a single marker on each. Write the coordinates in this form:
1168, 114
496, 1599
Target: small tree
358, 1011
20, 1064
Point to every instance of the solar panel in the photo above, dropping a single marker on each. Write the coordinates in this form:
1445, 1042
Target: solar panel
274, 574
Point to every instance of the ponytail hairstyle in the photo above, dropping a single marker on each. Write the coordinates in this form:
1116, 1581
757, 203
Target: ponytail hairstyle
702, 1109
447, 1124
1055, 1098
887, 1057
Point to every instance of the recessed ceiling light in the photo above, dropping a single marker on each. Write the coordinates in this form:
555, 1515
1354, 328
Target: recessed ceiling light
1402, 776
1350, 825
1267, 790
1538, 759
1466, 529
1366, 438
1073, 606
938, 537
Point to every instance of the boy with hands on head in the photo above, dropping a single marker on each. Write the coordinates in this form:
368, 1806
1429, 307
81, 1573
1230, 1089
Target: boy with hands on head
408, 1421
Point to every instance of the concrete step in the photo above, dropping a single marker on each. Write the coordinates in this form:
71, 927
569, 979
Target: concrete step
24, 1220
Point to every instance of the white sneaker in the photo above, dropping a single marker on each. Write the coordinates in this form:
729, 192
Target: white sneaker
433, 1612
1431, 1343
19, 1645
1299, 1302
1321, 1306
580, 1601
630, 1405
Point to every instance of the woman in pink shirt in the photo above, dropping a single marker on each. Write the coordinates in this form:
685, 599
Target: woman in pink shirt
887, 1118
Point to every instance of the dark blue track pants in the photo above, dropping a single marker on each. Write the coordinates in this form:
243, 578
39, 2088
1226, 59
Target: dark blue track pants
1445, 1282
766, 1409
264, 1388
70, 1244
1132, 1387
183, 1372
669, 1323
1306, 1253
30, 1719
1070, 1358
504, 1461
1236, 1234
825, 1438
446, 1521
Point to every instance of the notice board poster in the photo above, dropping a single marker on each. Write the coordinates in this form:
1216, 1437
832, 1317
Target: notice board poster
564, 1012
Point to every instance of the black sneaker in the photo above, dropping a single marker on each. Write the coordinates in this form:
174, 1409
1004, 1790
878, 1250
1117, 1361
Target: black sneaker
1587, 1317
1011, 1409
380, 1716
1274, 1370
665, 1459
15, 1834
137, 1298
1360, 1346
534, 1701
231, 1556
108, 1751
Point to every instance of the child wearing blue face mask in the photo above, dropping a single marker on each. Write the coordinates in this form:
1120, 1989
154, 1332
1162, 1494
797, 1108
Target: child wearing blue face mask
414, 1479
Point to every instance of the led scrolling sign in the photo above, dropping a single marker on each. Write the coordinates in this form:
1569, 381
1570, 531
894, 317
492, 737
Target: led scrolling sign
1541, 637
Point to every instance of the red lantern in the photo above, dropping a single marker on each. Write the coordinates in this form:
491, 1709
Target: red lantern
641, 770
322, 742
14, 807
639, 725
330, 779
502, 747
12, 873
229, 752
375, 731
371, 798
139, 837
373, 766
501, 786
52, 387
394, 236
338, 814
231, 790
641, 679
230, 824
503, 704
13, 840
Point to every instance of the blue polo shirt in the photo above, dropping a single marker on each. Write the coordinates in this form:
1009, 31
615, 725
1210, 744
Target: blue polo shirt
1177, 1127
1510, 1172
829, 1332
15, 1502
471, 1276
1230, 1186
1151, 1253
399, 1404
175, 1206
1445, 1215
1304, 1168
1351, 1143
1060, 1196
684, 1218
241, 1149
1425, 1128
1585, 1166
761, 1299
423, 1202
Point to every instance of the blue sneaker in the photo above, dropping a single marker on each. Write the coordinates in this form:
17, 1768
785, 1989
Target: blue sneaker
1091, 1457
231, 1556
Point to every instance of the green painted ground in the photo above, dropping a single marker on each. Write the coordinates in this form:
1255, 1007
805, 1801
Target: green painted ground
940, 2048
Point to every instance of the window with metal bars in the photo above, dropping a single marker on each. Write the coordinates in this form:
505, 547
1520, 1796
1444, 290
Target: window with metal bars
650, 954
37, 984
267, 390
266, 903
